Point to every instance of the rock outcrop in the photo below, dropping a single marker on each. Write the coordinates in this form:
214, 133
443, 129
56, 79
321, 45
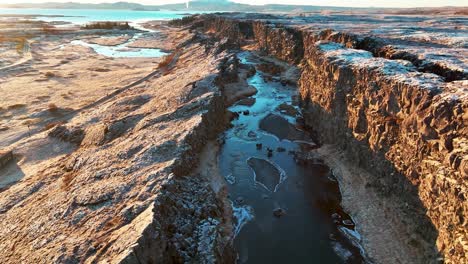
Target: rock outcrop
126, 189
393, 120
395, 112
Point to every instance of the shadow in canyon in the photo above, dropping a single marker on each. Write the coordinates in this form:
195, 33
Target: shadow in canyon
10, 174
328, 128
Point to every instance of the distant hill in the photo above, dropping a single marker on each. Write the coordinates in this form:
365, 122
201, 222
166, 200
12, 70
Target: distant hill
73, 5
195, 5
227, 5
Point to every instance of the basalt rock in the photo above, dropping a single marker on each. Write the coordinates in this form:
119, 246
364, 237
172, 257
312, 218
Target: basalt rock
393, 121
398, 114
73, 135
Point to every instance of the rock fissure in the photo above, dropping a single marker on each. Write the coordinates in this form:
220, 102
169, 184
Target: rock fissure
134, 177
288, 42
388, 115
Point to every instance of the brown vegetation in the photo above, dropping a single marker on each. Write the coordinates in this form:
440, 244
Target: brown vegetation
20, 45
166, 60
52, 108
66, 180
108, 25
16, 106
49, 29
53, 124
181, 21
31, 122
20, 42
49, 74
114, 222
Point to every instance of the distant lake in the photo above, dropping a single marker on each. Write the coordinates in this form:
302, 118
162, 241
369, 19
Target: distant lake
82, 16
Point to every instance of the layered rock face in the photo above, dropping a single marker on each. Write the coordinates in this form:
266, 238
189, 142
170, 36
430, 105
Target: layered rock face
403, 120
392, 120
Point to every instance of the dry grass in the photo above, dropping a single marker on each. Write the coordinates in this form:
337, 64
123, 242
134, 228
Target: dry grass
53, 124
108, 25
16, 106
20, 45
50, 74
49, 29
178, 22
168, 59
52, 107
19, 41
99, 69
65, 96
32, 121
66, 180
114, 222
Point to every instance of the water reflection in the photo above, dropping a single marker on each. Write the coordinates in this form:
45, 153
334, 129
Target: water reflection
122, 50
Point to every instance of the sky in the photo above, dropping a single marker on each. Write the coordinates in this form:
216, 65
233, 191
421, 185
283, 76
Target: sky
352, 3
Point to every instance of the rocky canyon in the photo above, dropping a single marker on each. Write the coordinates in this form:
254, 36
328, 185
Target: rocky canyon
343, 135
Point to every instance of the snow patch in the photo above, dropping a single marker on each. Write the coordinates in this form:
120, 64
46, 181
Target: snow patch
242, 215
354, 237
396, 70
341, 251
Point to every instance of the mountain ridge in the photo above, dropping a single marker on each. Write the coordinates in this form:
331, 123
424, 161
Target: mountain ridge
199, 5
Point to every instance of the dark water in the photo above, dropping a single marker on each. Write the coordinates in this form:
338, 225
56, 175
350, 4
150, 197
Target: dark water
287, 211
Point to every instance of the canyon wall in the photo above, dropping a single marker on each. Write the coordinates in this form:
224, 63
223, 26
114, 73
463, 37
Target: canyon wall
405, 124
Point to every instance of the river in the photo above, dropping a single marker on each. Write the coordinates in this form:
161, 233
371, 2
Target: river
286, 210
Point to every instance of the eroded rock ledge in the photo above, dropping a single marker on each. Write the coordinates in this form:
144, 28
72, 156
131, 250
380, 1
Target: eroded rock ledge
126, 189
395, 112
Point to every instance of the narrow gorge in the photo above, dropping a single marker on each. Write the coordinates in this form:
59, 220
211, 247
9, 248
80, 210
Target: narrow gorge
385, 110
260, 138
